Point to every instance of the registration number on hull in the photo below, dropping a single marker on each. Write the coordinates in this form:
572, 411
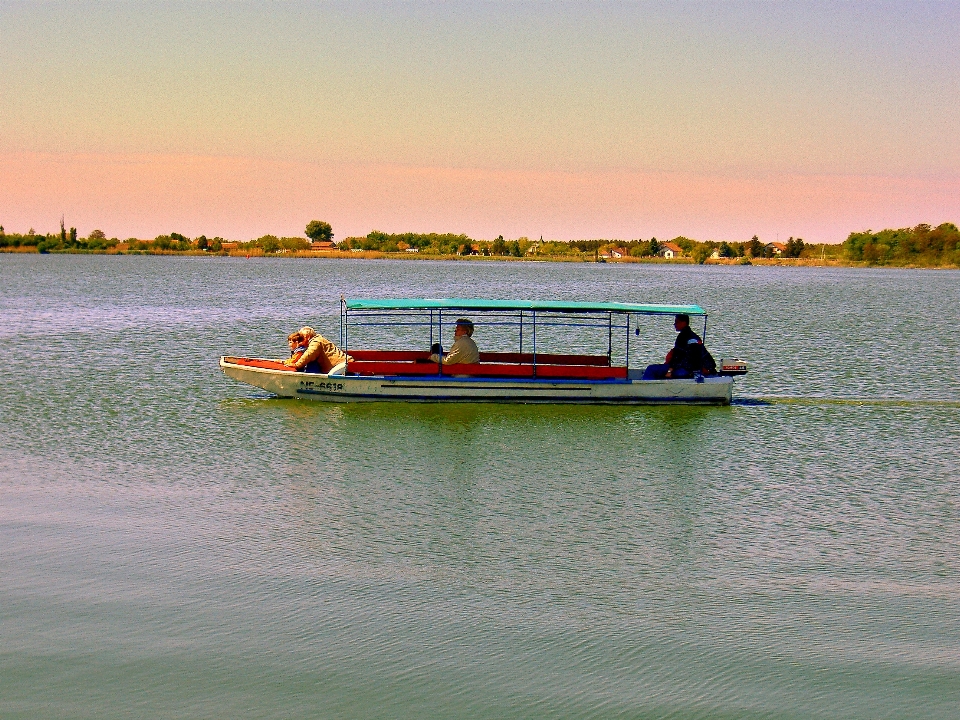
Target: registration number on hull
315, 386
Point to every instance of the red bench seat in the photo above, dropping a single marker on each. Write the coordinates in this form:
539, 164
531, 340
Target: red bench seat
545, 359
379, 367
390, 355
506, 370
485, 357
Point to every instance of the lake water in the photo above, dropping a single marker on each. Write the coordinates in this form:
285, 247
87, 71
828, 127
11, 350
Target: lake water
174, 544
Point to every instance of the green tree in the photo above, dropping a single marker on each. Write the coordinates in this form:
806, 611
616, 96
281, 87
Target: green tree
97, 235
202, 243
498, 246
586, 246
269, 243
179, 242
921, 245
318, 230
794, 248
216, 245
294, 244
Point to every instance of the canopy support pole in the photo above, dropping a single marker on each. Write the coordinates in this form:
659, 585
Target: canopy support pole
345, 323
534, 313
628, 344
609, 339
440, 340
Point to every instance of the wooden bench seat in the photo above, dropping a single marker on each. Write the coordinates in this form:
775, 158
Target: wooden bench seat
379, 367
545, 359
505, 370
489, 370
485, 357
581, 372
390, 355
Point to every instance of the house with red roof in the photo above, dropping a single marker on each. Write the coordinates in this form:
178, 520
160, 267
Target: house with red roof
670, 250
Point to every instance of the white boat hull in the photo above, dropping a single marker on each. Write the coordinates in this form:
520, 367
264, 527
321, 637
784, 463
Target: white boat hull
348, 388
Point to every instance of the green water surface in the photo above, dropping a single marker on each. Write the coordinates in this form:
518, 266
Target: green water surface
174, 544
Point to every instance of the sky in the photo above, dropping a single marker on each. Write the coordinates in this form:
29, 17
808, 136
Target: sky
715, 121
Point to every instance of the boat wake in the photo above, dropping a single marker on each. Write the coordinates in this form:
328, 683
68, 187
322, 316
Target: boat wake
882, 402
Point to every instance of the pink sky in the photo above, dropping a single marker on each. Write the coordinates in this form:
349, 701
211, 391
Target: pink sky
145, 195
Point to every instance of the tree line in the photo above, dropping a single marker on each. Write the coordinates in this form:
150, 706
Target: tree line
96, 241
921, 245
450, 244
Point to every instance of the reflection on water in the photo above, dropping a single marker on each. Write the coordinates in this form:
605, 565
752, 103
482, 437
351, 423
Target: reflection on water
176, 541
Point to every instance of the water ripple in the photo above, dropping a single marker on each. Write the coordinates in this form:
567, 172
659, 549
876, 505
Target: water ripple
177, 545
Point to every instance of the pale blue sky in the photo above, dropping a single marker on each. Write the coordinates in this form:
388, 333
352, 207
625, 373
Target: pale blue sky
726, 90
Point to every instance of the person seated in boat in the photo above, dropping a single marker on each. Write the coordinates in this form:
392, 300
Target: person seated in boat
463, 350
297, 346
685, 359
320, 356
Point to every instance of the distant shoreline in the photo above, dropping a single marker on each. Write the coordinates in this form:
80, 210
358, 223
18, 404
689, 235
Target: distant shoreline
378, 255
922, 246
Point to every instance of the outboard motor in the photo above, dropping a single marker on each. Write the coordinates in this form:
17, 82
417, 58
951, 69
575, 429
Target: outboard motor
733, 367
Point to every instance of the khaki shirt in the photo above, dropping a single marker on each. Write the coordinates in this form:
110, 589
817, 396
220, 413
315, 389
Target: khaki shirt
321, 349
464, 350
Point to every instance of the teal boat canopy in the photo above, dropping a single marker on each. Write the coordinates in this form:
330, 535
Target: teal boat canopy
561, 306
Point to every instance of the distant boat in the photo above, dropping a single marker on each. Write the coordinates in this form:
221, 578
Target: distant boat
533, 376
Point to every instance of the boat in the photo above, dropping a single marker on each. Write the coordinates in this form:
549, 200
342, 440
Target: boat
535, 372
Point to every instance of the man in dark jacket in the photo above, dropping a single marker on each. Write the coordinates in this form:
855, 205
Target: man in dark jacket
685, 359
